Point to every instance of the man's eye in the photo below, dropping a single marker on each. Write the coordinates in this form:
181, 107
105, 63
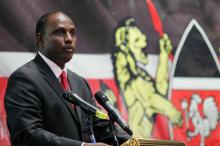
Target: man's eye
60, 32
72, 33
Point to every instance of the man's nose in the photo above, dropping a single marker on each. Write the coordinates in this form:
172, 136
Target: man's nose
68, 38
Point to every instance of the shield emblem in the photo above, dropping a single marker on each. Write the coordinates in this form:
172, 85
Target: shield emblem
195, 89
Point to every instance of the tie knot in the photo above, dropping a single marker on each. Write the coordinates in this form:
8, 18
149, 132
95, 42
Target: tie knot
64, 81
63, 74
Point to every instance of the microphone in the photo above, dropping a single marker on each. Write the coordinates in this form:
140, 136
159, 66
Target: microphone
75, 99
104, 101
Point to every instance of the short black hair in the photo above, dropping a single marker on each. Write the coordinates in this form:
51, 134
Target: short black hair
42, 22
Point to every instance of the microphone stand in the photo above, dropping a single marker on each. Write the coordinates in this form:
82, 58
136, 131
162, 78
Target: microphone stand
112, 128
90, 130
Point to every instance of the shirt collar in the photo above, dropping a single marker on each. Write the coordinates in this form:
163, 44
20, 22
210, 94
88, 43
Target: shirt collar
53, 66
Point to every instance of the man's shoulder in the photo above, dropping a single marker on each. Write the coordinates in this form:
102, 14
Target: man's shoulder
28, 68
74, 74
76, 77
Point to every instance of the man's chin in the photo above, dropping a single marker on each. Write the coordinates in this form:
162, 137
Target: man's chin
68, 59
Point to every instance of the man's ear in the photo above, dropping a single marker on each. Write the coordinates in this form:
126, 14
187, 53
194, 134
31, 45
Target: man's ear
39, 40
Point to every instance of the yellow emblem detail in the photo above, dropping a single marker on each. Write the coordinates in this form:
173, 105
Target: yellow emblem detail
143, 95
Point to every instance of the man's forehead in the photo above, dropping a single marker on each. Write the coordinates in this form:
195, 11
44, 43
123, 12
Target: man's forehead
58, 19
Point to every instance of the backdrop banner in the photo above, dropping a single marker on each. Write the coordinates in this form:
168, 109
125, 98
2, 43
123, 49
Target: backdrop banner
157, 61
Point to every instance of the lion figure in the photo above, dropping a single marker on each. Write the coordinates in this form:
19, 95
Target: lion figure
144, 96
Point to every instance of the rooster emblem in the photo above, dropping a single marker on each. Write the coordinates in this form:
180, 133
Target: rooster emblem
203, 125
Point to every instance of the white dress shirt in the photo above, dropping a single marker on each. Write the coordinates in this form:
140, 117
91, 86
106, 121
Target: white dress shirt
53, 66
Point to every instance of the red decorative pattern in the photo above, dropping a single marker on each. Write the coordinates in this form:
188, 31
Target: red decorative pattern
155, 17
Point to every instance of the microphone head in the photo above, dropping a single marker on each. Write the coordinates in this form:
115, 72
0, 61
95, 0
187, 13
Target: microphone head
66, 95
72, 97
100, 97
128, 130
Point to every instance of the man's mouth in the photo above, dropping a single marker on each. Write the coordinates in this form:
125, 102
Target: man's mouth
69, 49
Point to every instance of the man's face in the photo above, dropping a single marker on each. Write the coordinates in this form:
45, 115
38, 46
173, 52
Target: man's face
59, 39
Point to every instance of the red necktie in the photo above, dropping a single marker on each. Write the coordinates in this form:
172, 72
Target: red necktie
65, 84
64, 81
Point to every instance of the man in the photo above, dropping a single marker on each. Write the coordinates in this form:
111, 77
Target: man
37, 115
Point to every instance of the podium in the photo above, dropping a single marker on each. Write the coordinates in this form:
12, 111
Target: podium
151, 142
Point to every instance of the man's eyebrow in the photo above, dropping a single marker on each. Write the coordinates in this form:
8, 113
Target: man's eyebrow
73, 29
64, 28
60, 27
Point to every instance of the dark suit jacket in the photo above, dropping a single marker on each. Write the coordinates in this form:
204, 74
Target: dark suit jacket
37, 115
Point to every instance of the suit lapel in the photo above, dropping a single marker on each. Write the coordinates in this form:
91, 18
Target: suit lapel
53, 81
74, 88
